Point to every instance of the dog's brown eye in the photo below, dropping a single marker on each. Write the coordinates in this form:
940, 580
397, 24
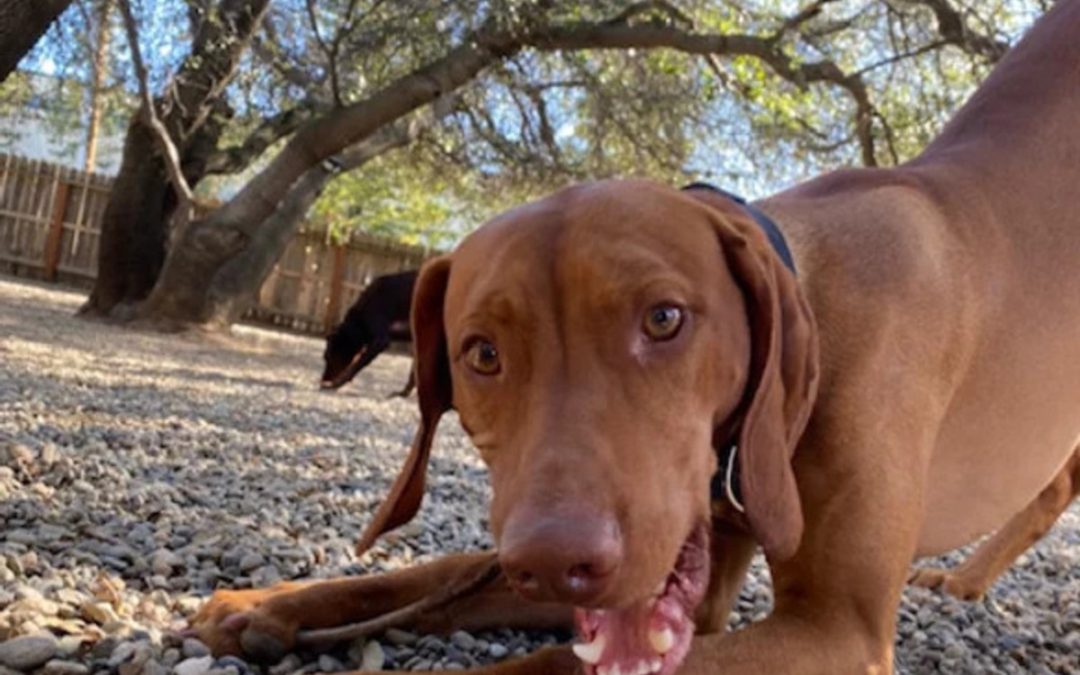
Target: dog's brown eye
483, 357
663, 322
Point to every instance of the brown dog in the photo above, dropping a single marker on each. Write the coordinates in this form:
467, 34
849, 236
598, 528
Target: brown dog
914, 386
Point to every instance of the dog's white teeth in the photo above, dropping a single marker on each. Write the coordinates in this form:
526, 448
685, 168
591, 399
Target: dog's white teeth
640, 668
590, 652
662, 640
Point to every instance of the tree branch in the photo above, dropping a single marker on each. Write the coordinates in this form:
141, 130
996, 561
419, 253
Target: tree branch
621, 36
273, 129
802, 16
170, 154
327, 135
291, 74
954, 30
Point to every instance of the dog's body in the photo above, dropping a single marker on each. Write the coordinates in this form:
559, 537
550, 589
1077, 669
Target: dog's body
937, 378
379, 316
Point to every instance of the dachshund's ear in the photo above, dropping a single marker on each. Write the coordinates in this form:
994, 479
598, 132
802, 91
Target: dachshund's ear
434, 392
782, 384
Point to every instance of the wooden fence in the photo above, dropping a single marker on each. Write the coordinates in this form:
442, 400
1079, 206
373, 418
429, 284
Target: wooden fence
50, 219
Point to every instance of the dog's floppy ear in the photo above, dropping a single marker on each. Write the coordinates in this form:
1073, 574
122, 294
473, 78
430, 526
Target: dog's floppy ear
434, 392
782, 384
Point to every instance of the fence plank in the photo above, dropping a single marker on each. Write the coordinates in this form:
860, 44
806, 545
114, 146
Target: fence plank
56, 230
337, 279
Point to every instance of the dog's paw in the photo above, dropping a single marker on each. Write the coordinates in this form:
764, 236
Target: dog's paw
247, 623
947, 581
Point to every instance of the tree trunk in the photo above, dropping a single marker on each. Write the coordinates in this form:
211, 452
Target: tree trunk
135, 226
100, 63
22, 23
182, 295
133, 231
237, 267
237, 284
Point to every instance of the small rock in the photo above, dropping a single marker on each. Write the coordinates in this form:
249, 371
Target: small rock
287, 665
103, 649
71, 645
194, 648
373, 657
233, 662
189, 605
328, 664
463, 640
196, 666
251, 561
400, 637
123, 653
58, 667
100, 612
20, 456
498, 651
28, 652
163, 562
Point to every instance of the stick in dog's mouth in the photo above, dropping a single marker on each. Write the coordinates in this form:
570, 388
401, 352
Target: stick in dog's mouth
652, 636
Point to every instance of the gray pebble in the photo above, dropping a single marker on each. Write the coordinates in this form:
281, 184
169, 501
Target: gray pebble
287, 665
192, 648
58, 667
463, 640
196, 666
373, 657
28, 652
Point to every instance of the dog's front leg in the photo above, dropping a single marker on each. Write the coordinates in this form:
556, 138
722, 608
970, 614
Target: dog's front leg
836, 599
264, 624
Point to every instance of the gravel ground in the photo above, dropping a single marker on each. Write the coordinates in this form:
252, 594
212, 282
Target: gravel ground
138, 472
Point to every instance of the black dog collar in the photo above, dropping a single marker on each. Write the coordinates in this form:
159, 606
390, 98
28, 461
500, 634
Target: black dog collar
767, 225
725, 482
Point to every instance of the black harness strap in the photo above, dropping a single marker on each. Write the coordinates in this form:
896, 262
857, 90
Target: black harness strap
725, 482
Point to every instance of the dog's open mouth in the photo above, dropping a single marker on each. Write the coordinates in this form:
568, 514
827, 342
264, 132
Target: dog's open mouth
652, 636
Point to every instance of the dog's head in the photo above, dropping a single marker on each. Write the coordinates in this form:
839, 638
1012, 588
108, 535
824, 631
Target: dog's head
344, 355
595, 345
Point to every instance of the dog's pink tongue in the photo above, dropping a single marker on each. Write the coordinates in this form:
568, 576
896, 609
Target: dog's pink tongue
651, 637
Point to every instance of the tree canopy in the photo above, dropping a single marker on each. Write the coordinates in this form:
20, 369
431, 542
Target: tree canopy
419, 119
816, 85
